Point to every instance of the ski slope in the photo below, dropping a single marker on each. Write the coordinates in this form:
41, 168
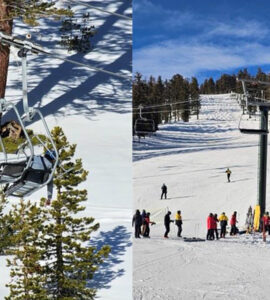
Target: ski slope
94, 111
191, 159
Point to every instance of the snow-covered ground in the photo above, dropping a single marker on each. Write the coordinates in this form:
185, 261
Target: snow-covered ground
94, 111
191, 159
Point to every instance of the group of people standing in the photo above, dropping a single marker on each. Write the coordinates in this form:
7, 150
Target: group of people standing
178, 222
141, 222
213, 220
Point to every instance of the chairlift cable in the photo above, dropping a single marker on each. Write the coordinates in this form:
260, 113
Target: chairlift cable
101, 9
6, 39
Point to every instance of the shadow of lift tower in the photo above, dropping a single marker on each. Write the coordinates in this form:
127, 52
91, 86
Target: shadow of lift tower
264, 106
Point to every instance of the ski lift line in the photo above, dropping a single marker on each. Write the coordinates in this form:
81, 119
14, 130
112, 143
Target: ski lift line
164, 104
164, 111
21, 44
253, 81
101, 9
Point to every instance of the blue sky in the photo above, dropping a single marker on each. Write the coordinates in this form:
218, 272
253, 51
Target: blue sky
200, 38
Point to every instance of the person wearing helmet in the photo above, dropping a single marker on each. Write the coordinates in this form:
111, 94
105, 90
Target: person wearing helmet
164, 191
178, 222
44, 164
223, 220
167, 221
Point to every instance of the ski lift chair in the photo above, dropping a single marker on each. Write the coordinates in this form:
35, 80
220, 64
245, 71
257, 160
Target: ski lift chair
246, 130
144, 126
32, 179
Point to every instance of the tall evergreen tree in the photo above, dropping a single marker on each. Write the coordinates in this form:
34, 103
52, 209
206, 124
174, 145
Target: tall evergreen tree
72, 262
27, 270
53, 258
195, 96
6, 231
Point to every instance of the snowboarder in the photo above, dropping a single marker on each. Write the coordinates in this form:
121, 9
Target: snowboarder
228, 171
147, 221
215, 221
233, 222
167, 221
210, 227
178, 222
223, 219
137, 223
164, 191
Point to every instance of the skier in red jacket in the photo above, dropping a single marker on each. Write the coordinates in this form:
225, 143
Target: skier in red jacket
233, 222
266, 222
210, 227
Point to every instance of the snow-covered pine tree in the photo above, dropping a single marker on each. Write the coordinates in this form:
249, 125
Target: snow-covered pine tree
27, 270
71, 261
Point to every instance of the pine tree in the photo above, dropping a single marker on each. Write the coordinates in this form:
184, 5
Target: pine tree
29, 11
6, 230
51, 257
27, 270
195, 96
72, 262
211, 86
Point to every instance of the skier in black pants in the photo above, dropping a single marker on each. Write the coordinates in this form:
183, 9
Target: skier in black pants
178, 222
167, 221
228, 171
164, 191
137, 221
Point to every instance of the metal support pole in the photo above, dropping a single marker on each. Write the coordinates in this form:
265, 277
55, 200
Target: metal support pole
263, 160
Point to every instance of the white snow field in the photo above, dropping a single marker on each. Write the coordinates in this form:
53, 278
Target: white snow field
94, 111
191, 159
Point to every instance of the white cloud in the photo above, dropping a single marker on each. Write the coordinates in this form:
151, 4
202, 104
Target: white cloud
240, 28
189, 59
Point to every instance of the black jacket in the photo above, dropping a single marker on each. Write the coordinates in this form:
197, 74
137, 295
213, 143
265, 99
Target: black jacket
167, 220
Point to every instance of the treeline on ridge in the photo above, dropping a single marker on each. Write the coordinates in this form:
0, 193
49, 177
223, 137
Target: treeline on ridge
178, 98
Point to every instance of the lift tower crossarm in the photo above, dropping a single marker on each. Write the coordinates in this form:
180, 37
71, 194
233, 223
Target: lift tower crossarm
253, 81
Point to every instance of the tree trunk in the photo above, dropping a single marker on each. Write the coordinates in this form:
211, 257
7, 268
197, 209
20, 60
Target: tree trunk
6, 27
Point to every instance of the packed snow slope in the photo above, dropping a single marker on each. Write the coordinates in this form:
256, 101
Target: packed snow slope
94, 111
191, 159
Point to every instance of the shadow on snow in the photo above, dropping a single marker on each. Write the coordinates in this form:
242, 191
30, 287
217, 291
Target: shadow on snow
118, 239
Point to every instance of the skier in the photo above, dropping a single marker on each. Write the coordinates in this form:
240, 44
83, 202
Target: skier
265, 222
228, 171
143, 222
137, 222
167, 221
38, 172
147, 221
223, 219
210, 227
164, 191
178, 222
233, 222
215, 225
